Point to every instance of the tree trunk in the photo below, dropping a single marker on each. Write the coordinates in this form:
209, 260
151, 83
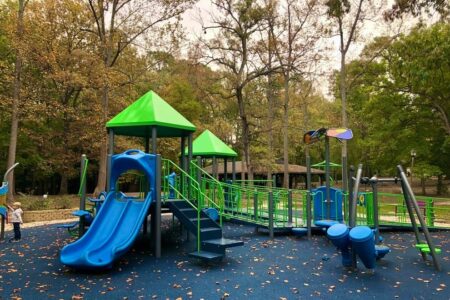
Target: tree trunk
285, 132
245, 133
16, 100
343, 90
422, 183
63, 189
306, 128
106, 37
441, 188
271, 104
101, 181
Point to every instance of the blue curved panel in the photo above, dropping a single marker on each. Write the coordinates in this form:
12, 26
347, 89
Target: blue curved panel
321, 207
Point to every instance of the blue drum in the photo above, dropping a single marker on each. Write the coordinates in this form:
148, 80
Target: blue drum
338, 235
363, 244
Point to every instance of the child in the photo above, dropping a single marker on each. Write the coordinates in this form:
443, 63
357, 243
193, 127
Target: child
16, 220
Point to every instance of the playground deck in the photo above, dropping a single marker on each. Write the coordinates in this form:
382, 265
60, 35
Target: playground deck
282, 268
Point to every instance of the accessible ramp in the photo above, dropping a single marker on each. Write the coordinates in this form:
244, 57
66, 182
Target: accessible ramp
112, 233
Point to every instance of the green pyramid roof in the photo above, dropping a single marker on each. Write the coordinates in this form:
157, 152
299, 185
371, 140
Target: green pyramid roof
208, 145
148, 111
323, 164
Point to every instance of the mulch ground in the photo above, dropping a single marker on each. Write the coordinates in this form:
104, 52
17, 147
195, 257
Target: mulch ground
282, 268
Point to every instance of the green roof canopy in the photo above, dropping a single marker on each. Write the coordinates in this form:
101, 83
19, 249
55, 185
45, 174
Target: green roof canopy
323, 164
208, 145
148, 111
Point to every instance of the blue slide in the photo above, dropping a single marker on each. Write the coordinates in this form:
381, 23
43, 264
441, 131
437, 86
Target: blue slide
111, 234
118, 221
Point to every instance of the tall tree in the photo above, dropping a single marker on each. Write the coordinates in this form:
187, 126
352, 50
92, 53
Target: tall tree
118, 24
404, 91
295, 50
62, 56
417, 7
16, 97
347, 20
235, 26
270, 89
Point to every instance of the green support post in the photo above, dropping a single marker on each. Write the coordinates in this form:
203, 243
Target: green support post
199, 175
289, 207
255, 205
429, 211
374, 183
182, 163
327, 176
188, 164
308, 196
271, 211
82, 193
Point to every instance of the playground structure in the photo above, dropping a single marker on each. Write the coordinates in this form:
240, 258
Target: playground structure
120, 217
248, 202
3, 206
365, 242
200, 201
328, 204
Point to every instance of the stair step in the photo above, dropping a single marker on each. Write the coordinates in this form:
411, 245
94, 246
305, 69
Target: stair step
210, 229
165, 210
209, 233
187, 209
194, 220
206, 255
174, 200
223, 242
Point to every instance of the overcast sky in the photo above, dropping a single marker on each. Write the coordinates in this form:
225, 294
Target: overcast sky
371, 29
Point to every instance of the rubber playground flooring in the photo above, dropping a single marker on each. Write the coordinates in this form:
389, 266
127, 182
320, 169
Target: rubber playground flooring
283, 268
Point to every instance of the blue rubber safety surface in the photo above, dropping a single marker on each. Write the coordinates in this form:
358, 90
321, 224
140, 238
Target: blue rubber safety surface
283, 268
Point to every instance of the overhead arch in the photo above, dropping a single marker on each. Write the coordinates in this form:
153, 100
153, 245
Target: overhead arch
134, 160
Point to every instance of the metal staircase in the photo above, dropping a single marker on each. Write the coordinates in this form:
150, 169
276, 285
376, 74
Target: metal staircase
212, 244
188, 208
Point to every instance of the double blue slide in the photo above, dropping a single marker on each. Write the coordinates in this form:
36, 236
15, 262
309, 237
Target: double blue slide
118, 221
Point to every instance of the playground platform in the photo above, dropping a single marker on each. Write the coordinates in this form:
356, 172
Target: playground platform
281, 268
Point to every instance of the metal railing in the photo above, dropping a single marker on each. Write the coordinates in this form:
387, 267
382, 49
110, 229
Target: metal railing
211, 188
186, 188
262, 204
392, 210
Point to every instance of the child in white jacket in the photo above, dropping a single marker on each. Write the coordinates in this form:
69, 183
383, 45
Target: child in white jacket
16, 220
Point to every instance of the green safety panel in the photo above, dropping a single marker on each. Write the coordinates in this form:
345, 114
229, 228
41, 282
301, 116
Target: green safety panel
148, 111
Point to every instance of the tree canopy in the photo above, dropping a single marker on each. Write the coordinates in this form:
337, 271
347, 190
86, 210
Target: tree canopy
251, 78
